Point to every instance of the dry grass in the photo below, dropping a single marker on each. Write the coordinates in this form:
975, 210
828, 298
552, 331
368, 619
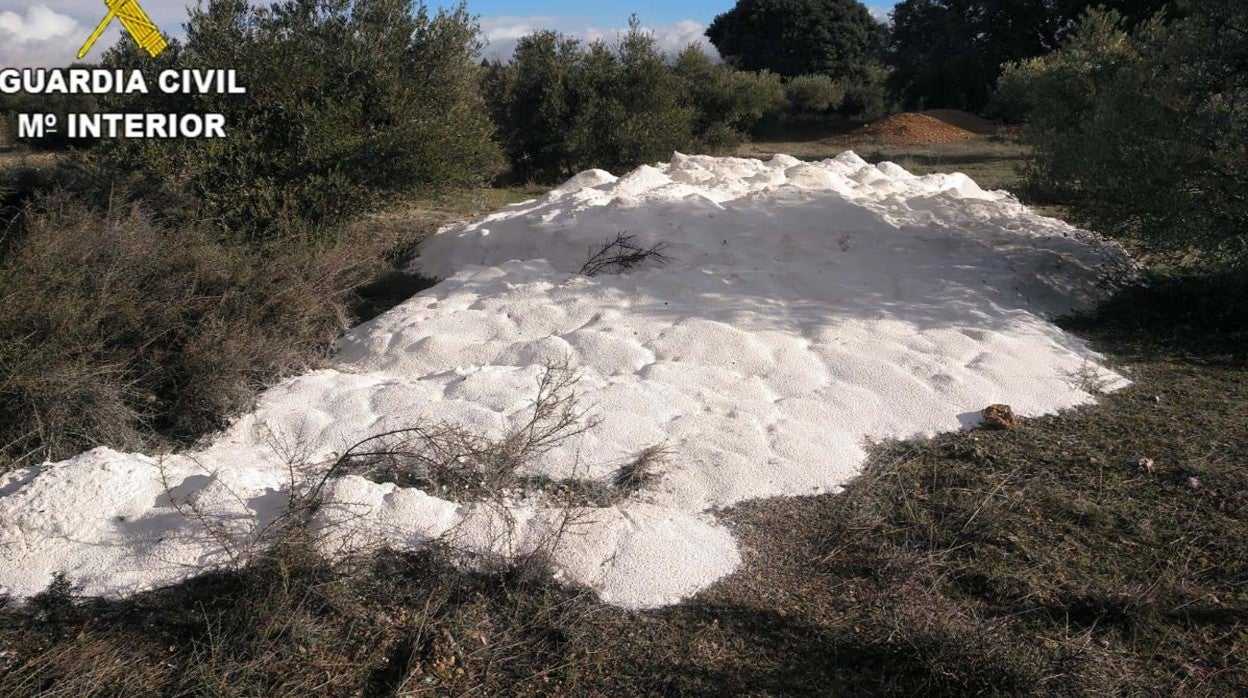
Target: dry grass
118, 331
645, 470
291, 625
20, 156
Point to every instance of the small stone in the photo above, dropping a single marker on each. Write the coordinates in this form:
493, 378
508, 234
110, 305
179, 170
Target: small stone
999, 417
1195, 483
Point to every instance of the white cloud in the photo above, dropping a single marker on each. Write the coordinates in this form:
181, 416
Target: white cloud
48, 34
506, 27
38, 37
40, 24
503, 33
675, 37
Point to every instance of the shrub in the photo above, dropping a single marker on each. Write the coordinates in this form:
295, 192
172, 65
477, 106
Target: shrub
1143, 130
115, 330
348, 102
13, 104
22, 180
949, 53
819, 99
813, 94
728, 103
867, 99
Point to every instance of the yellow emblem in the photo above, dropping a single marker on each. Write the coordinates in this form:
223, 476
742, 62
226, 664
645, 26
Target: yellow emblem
135, 20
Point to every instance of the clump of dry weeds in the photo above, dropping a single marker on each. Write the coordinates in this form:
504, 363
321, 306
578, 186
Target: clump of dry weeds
117, 330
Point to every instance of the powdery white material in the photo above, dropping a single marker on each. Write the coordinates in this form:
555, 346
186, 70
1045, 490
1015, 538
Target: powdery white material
808, 308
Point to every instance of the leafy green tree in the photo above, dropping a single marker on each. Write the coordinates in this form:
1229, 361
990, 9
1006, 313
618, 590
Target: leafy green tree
563, 107
599, 109
348, 102
838, 38
868, 98
657, 118
949, 53
813, 94
728, 103
533, 101
1144, 130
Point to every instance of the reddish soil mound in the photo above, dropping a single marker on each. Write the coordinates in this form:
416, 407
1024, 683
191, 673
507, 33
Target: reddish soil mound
911, 129
964, 120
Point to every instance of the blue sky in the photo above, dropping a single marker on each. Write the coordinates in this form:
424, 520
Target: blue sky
614, 13
676, 24
48, 32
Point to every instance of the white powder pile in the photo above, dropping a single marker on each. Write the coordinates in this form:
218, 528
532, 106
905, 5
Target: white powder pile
806, 309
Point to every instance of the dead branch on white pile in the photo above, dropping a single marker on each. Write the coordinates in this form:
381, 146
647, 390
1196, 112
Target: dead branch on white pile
621, 255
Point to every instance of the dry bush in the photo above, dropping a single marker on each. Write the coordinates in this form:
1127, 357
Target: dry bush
445, 460
621, 254
644, 470
454, 463
462, 465
115, 330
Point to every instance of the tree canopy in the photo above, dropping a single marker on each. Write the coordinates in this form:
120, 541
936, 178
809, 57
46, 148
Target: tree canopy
562, 107
1142, 129
348, 102
838, 38
949, 53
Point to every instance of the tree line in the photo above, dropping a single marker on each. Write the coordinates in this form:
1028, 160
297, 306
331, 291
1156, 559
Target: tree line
1135, 106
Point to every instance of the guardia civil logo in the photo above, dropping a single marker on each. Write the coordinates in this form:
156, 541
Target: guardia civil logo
136, 23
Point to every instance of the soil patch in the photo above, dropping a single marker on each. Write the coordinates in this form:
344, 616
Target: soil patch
911, 128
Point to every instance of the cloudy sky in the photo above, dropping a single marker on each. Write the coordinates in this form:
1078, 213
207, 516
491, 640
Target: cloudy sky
49, 32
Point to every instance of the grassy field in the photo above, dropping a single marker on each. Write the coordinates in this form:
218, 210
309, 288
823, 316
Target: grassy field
1103, 550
